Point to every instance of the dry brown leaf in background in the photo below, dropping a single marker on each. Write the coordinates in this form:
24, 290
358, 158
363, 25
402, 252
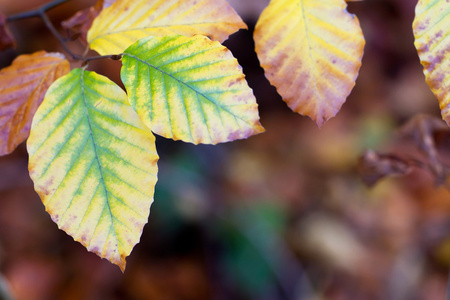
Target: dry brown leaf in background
6, 38
421, 129
426, 133
79, 24
373, 166
22, 88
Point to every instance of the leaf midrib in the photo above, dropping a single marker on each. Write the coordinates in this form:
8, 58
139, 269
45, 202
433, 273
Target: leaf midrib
310, 50
187, 85
96, 154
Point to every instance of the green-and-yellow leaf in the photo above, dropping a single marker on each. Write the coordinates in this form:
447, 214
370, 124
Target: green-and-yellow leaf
432, 40
22, 89
190, 89
127, 21
93, 163
311, 52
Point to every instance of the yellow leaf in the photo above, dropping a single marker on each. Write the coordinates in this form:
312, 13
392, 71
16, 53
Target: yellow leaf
93, 163
311, 52
22, 89
432, 40
127, 21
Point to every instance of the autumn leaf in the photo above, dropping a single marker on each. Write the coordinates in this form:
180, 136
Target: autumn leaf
93, 163
6, 38
422, 129
80, 22
311, 52
431, 28
127, 21
373, 166
22, 89
190, 89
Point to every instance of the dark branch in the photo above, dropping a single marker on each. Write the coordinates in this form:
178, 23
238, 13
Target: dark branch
55, 32
113, 57
35, 12
41, 13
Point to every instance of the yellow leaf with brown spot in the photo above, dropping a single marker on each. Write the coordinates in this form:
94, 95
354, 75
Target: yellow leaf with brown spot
311, 52
432, 40
127, 21
22, 89
93, 163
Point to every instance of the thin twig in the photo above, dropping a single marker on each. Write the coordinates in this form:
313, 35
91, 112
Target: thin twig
41, 13
35, 12
113, 57
55, 32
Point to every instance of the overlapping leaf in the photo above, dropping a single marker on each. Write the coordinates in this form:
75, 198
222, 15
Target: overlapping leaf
311, 52
432, 40
93, 163
22, 89
6, 38
79, 24
190, 89
127, 21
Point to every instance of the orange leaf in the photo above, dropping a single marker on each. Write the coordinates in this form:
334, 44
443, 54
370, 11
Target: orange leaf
22, 88
6, 38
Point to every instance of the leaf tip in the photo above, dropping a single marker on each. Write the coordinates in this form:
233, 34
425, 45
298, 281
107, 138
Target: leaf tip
320, 121
122, 265
258, 128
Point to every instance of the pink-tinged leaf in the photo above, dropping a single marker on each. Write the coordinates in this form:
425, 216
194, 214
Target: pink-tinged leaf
432, 40
22, 88
311, 52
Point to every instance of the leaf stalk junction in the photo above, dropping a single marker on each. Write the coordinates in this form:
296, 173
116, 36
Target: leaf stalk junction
41, 13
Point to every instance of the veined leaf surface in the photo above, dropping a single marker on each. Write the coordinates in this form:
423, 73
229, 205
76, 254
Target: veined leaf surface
22, 89
190, 89
127, 21
93, 163
432, 40
311, 52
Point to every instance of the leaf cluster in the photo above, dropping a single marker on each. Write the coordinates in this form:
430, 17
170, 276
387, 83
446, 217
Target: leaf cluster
92, 151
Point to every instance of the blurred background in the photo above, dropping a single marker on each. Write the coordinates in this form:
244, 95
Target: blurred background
284, 215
